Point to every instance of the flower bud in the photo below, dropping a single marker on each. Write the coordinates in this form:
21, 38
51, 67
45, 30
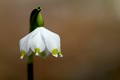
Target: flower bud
36, 19
39, 20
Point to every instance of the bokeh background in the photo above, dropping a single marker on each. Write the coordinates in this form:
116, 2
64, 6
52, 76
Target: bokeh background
90, 37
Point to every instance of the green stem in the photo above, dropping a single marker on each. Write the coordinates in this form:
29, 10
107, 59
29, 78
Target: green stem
30, 58
36, 20
30, 68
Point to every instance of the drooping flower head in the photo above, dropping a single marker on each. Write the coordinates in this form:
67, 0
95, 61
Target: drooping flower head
40, 41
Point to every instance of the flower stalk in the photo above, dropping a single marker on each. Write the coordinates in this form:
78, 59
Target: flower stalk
30, 68
35, 21
40, 42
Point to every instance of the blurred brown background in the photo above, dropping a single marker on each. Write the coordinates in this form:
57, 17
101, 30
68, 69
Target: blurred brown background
90, 34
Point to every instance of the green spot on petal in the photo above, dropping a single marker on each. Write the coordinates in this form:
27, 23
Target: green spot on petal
22, 54
55, 52
37, 50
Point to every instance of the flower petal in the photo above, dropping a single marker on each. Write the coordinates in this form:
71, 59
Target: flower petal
52, 40
25, 43
37, 43
34, 32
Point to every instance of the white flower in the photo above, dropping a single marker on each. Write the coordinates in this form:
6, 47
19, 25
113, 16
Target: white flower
42, 42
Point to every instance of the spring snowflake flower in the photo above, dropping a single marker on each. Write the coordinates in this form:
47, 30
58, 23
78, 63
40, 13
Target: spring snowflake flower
42, 42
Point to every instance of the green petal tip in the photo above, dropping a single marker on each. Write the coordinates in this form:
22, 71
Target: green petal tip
60, 54
22, 54
37, 50
55, 52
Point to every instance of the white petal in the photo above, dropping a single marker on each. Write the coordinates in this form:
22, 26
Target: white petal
21, 57
22, 41
52, 40
25, 43
37, 42
56, 38
34, 32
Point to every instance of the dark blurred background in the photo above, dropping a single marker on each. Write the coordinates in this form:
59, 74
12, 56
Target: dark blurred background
90, 36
